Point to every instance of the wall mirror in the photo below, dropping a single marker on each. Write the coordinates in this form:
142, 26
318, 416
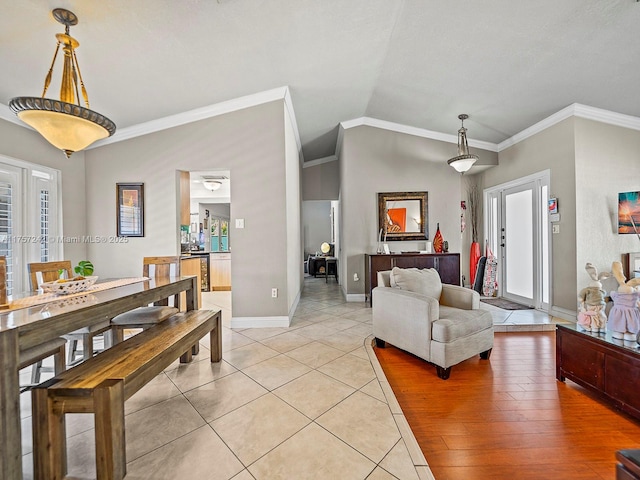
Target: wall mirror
403, 216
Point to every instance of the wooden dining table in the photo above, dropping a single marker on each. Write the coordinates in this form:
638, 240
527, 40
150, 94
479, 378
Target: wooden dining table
31, 319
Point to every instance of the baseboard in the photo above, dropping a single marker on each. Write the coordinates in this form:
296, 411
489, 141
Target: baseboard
563, 313
294, 306
259, 322
355, 297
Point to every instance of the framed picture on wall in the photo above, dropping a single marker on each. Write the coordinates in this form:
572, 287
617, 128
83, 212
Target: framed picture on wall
629, 213
130, 209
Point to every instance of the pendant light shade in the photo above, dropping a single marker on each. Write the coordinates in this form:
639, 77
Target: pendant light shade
464, 160
64, 123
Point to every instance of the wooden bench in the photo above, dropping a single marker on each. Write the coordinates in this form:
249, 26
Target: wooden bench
103, 383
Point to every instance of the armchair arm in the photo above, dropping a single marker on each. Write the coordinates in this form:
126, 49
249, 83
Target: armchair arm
459, 297
404, 319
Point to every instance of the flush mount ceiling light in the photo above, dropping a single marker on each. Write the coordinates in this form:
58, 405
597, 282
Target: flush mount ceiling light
64, 123
464, 160
212, 185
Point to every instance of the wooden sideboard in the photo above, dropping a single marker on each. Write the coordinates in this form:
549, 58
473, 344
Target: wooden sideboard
600, 363
447, 265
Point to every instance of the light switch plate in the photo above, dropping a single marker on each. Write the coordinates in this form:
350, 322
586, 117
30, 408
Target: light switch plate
239, 222
556, 228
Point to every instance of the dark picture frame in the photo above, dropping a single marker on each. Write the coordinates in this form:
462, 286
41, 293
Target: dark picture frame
403, 216
130, 209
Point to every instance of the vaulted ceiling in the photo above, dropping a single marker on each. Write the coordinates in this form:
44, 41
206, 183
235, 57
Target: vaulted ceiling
508, 64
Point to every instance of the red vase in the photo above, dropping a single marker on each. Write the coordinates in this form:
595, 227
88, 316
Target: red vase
474, 256
438, 243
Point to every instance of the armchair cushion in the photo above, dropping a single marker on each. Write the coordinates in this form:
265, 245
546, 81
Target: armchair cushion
423, 281
455, 323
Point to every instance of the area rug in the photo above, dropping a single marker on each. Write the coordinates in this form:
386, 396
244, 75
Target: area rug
505, 304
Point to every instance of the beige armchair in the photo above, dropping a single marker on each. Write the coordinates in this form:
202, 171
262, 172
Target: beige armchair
440, 323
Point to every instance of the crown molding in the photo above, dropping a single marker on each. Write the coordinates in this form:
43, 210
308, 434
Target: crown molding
320, 161
202, 113
288, 104
574, 110
418, 132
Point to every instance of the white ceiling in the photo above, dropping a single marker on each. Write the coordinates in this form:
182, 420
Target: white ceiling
508, 64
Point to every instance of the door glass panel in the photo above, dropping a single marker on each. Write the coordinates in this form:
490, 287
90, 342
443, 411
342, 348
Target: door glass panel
519, 247
544, 237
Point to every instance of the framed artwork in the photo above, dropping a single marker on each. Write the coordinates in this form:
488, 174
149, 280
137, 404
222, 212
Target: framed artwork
553, 205
403, 216
130, 209
629, 213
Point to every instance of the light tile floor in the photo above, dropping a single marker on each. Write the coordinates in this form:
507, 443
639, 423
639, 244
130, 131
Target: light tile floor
305, 402
521, 320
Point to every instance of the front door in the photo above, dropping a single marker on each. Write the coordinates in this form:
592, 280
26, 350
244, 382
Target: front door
517, 226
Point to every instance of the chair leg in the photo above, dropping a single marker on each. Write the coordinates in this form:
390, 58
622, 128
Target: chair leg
485, 355
73, 349
87, 346
59, 365
117, 335
443, 373
36, 370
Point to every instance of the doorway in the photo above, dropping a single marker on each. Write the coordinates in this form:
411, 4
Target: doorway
517, 226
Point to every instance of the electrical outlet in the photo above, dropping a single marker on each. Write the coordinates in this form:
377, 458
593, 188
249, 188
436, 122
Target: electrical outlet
556, 228
274, 293
355, 277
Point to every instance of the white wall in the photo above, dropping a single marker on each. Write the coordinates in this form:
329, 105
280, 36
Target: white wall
250, 144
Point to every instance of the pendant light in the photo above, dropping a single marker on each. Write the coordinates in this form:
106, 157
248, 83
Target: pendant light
64, 123
464, 161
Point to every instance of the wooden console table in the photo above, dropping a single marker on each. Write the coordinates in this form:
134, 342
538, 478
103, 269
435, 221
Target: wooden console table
602, 364
447, 265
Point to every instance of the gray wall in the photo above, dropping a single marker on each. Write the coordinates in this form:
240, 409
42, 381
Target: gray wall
553, 149
374, 160
27, 145
606, 164
316, 222
321, 182
250, 143
293, 167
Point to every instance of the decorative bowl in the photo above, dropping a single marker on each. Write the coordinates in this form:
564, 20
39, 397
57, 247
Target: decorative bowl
65, 287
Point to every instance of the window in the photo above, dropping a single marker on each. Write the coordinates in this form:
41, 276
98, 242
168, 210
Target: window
28, 218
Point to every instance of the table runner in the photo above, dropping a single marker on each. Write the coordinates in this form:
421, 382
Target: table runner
52, 297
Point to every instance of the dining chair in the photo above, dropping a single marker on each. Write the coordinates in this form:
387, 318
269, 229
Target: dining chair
35, 355
146, 317
42, 272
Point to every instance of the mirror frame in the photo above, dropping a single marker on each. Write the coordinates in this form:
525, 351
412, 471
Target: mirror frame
422, 197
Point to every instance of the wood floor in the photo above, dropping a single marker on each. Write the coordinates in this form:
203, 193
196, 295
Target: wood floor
508, 417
